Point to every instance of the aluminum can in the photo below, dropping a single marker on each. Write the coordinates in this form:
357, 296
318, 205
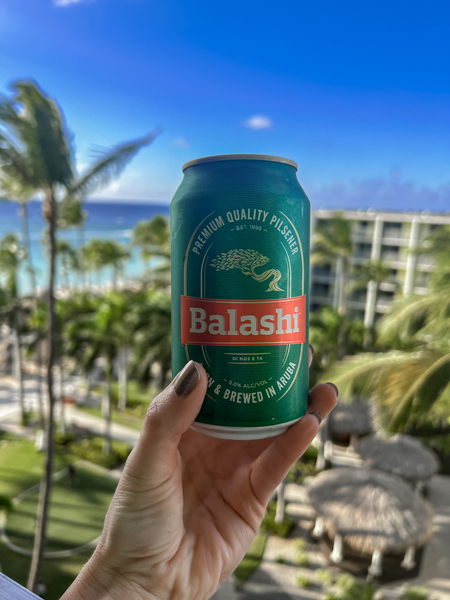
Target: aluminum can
240, 228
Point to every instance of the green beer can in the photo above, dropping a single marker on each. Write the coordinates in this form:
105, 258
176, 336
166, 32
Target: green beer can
240, 228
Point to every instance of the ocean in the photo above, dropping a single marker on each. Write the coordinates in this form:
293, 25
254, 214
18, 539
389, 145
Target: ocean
105, 220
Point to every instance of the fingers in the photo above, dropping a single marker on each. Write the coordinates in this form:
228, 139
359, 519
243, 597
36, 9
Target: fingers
274, 463
168, 417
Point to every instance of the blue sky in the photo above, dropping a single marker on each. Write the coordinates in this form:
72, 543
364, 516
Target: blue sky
357, 93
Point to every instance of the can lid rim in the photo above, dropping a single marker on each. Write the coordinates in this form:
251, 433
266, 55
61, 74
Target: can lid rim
221, 157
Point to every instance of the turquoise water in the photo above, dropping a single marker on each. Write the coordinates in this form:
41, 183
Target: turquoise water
105, 220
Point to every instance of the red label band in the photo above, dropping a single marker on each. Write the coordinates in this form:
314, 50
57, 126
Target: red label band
209, 322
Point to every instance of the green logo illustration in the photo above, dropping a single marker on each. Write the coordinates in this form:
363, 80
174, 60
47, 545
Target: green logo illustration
247, 261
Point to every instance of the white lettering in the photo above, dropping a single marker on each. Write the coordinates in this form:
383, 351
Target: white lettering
251, 328
198, 319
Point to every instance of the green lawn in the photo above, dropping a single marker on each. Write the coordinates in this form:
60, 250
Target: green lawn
119, 417
76, 513
138, 400
251, 560
21, 464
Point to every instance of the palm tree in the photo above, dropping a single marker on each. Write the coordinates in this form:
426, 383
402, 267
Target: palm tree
153, 239
68, 259
35, 149
150, 321
99, 254
15, 190
11, 254
71, 214
369, 276
332, 244
410, 379
99, 333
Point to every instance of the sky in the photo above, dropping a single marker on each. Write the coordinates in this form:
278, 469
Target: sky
357, 93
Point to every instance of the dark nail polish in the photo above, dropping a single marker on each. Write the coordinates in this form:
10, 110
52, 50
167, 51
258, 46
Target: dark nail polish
311, 349
186, 380
317, 414
335, 387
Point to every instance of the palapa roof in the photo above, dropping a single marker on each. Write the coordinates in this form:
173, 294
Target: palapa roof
372, 510
400, 454
351, 418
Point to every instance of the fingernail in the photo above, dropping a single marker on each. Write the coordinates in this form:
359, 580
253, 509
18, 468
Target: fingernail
311, 349
317, 414
335, 387
186, 380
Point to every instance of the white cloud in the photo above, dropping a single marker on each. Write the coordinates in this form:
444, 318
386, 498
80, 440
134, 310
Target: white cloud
181, 142
258, 122
68, 2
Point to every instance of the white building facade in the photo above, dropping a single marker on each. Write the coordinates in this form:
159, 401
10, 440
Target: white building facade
387, 236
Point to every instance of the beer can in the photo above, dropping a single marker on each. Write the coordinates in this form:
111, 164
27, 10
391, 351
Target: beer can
240, 228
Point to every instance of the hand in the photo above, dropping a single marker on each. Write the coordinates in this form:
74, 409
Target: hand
188, 506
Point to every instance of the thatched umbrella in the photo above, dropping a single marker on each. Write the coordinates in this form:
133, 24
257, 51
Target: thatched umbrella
402, 455
352, 418
372, 511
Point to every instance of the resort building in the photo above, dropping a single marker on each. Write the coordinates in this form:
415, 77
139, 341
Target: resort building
387, 236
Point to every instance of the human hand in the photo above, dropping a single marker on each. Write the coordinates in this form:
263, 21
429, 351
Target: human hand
187, 505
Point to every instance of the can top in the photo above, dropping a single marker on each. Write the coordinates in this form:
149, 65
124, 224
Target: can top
221, 157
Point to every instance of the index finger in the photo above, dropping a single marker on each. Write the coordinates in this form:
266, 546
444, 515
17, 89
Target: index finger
275, 461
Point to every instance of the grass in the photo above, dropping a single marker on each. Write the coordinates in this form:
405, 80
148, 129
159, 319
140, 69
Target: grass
324, 576
302, 560
21, 464
414, 593
304, 582
76, 513
138, 400
252, 559
268, 523
56, 574
119, 417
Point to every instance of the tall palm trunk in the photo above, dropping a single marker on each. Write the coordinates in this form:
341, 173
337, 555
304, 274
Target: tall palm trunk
80, 254
45, 490
26, 242
107, 416
342, 285
23, 211
342, 349
122, 365
18, 373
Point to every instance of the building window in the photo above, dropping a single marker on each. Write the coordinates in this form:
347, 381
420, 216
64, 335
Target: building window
320, 289
363, 251
390, 253
392, 230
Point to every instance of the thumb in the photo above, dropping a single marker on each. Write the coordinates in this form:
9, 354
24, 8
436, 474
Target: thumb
170, 414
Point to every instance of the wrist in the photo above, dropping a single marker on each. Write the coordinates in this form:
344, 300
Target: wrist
97, 581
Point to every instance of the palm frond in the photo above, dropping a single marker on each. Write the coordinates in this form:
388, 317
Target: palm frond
357, 376
426, 390
110, 165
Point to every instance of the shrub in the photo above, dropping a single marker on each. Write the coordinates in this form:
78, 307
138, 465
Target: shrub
280, 560
268, 523
304, 582
348, 588
324, 576
414, 593
300, 544
302, 560
64, 439
91, 449
6, 504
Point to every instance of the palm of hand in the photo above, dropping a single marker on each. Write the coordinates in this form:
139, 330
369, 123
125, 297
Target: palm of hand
196, 542
187, 505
